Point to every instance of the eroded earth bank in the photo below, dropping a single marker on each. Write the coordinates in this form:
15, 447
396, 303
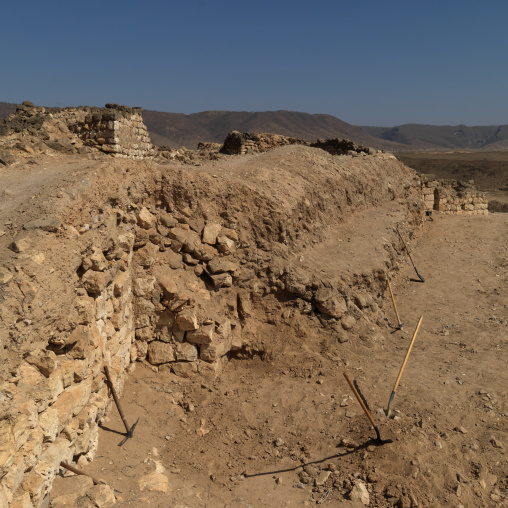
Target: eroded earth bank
227, 299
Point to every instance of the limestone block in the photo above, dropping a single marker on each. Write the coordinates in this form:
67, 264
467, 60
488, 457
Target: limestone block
226, 245
79, 343
12, 480
20, 430
145, 219
139, 351
102, 496
98, 262
359, 493
32, 447
222, 280
49, 423
147, 255
125, 242
7, 447
94, 282
203, 335
221, 265
72, 400
43, 360
330, 302
85, 307
184, 239
144, 334
210, 370
186, 352
205, 253
23, 501
143, 286
35, 484
160, 352
187, 319
210, 232
185, 369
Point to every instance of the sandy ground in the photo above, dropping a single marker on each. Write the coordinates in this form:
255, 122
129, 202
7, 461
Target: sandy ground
285, 430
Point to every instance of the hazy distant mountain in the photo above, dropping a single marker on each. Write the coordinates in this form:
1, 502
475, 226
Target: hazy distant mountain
451, 137
176, 129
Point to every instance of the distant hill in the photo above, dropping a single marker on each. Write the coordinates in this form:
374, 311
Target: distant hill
176, 129
444, 137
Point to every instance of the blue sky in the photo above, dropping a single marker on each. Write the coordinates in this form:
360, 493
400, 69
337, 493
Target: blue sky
371, 62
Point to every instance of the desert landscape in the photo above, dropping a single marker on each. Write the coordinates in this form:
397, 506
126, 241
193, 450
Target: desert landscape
228, 292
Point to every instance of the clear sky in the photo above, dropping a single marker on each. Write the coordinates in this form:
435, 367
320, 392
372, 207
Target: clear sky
367, 62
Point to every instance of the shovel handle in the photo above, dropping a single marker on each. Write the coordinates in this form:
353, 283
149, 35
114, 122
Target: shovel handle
407, 355
357, 395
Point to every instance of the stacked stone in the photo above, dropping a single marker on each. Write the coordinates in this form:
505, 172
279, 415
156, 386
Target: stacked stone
453, 197
338, 146
117, 130
58, 395
237, 143
177, 324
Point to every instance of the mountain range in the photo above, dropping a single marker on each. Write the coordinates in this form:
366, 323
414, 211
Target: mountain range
178, 129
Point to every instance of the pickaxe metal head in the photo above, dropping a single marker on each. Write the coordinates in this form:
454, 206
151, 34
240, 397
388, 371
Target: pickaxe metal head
382, 441
129, 434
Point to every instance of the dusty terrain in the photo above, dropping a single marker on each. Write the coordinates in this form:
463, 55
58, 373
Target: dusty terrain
280, 426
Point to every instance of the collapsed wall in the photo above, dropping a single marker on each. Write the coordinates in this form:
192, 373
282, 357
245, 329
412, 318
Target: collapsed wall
453, 197
157, 264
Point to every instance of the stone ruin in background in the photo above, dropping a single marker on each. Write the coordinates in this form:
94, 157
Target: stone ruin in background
453, 197
115, 130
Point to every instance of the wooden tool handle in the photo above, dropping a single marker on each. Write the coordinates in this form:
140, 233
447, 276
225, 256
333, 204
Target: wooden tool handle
117, 402
393, 300
357, 395
407, 354
77, 471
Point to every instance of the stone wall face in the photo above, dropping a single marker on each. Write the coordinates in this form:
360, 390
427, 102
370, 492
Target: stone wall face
117, 130
338, 146
453, 197
238, 143
57, 397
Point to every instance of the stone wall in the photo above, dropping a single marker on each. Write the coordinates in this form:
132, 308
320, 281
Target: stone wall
57, 397
338, 146
454, 197
238, 143
116, 130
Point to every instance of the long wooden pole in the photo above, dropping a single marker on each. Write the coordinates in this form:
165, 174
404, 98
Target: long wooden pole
394, 305
404, 364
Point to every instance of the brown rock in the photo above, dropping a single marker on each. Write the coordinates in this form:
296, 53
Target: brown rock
221, 265
210, 232
44, 360
94, 282
187, 320
145, 219
102, 496
154, 482
185, 369
203, 335
347, 322
160, 352
186, 352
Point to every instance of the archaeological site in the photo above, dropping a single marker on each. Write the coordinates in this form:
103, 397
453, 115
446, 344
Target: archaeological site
226, 290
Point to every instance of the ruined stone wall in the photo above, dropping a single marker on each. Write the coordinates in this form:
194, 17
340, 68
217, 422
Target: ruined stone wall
117, 130
453, 197
57, 396
238, 143
338, 146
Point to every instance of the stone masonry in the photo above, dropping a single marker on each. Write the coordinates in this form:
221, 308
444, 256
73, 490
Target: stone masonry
453, 197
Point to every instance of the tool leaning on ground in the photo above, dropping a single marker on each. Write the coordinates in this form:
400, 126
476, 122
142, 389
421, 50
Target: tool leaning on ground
81, 473
403, 366
399, 324
129, 430
410, 258
364, 407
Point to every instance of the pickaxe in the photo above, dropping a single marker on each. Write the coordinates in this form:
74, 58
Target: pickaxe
399, 325
129, 430
364, 407
410, 258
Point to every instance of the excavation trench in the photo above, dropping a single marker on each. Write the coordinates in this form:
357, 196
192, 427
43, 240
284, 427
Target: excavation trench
185, 271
